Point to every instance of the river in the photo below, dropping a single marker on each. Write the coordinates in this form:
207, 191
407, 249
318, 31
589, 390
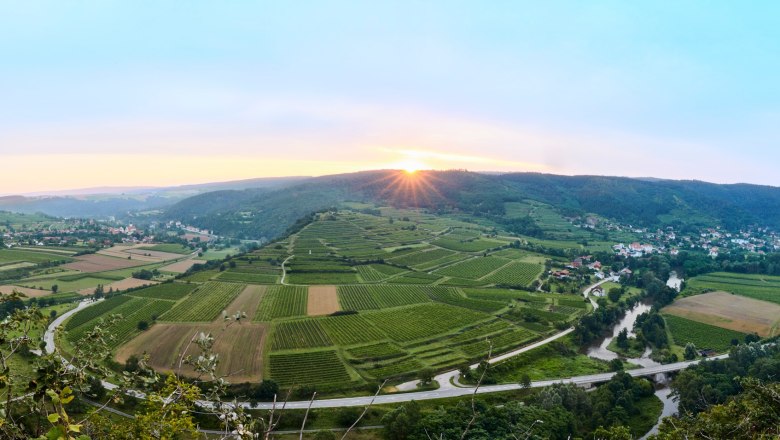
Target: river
674, 282
600, 351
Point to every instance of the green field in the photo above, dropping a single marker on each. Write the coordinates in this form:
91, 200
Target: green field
283, 302
205, 304
762, 287
8, 256
703, 336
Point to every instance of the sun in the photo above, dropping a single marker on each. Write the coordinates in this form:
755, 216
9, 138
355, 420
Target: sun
411, 166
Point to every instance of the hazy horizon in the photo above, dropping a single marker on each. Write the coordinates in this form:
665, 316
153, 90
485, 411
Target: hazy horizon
158, 94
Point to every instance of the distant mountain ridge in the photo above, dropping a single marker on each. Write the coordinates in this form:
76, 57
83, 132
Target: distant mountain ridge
254, 213
104, 202
256, 208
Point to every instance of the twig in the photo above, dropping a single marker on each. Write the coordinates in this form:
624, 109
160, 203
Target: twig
474, 396
365, 410
306, 416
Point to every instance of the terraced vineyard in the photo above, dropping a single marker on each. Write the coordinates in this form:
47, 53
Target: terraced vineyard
104, 308
283, 302
515, 274
167, 291
423, 320
412, 293
474, 268
205, 304
299, 334
314, 368
380, 297
351, 329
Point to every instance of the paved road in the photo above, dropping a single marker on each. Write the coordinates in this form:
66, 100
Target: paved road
443, 392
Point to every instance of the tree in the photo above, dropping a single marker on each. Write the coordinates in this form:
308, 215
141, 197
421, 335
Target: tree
622, 339
54, 288
525, 380
615, 293
426, 376
690, 351
142, 325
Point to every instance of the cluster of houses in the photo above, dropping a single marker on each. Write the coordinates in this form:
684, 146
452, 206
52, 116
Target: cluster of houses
714, 241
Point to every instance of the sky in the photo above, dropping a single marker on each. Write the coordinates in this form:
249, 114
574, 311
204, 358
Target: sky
165, 93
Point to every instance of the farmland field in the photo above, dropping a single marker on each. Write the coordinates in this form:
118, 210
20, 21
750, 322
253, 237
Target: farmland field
323, 300
314, 367
761, 287
282, 302
423, 320
728, 311
205, 304
516, 274
169, 291
365, 299
703, 336
474, 268
240, 348
8, 256
101, 263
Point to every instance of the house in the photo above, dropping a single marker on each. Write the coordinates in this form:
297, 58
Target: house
561, 274
626, 271
597, 291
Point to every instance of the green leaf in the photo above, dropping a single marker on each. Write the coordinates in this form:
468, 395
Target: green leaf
54, 418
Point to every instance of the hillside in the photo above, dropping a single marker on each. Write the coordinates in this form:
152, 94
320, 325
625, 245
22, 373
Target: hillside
118, 202
256, 213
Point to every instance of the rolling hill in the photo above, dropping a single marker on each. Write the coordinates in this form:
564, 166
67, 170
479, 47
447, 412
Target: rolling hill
254, 213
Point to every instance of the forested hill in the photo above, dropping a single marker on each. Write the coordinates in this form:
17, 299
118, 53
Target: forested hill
642, 202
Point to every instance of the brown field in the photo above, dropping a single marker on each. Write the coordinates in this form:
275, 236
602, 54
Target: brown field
99, 263
158, 255
191, 236
323, 300
729, 311
247, 301
132, 250
118, 286
240, 348
180, 266
31, 293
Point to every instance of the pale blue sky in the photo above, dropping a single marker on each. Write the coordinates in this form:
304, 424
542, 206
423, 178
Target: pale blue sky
242, 89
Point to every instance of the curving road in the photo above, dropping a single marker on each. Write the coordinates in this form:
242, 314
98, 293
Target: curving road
446, 390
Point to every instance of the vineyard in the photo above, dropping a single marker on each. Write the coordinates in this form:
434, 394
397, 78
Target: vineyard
380, 296
310, 368
283, 302
351, 330
167, 291
382, 350
305, 333
103, 308
205, 304
474, 268
455, 298
133, 311
423, 320
242, 277
703, 336
515, 274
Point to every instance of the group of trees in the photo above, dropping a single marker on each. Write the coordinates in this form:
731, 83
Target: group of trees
557, 412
